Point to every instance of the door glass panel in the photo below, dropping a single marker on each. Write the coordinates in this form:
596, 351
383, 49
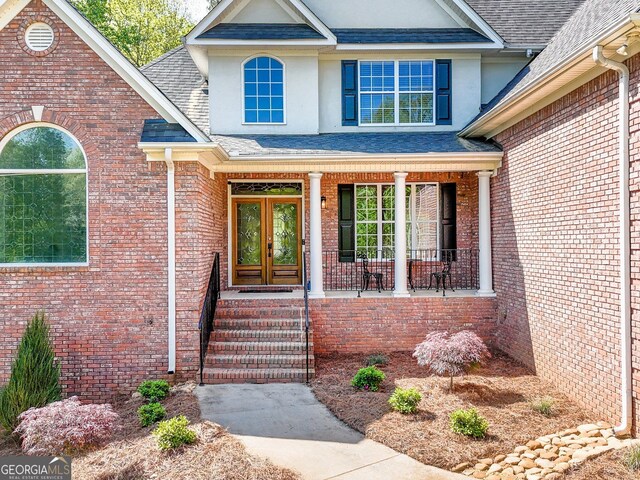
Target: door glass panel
249, 227
285, 234
266, 188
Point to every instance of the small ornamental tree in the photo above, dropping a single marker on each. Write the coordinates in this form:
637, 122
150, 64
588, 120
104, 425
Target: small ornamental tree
66, 427
35, 373
451, 355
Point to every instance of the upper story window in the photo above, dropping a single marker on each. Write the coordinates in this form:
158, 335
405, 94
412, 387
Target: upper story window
43, 197
396, 92
264, 91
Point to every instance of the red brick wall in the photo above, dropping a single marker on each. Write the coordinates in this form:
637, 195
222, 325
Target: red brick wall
555, 241
109, 319
370, 325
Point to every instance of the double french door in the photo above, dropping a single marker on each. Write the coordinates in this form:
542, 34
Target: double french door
267, 241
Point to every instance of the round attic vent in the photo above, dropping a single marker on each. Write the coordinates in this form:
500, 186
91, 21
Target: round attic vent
39, 36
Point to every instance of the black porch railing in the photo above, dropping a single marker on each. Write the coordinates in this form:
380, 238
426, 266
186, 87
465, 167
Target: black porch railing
373, 270
305, 282
209, 312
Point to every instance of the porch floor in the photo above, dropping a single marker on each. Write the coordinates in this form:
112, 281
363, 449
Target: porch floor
299, 294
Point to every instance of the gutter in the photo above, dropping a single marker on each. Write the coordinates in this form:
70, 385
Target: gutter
624, 428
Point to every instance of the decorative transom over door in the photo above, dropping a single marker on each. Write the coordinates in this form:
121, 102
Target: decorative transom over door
267, 241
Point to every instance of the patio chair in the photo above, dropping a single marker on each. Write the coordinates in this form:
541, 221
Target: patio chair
441, 276
368, 275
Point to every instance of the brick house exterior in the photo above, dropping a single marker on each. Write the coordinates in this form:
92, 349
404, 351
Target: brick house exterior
543, 232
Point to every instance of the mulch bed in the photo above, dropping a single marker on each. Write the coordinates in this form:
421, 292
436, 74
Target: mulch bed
133, 454
609, 466
501, 390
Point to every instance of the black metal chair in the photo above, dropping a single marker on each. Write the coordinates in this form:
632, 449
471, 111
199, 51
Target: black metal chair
441, 276
368, 275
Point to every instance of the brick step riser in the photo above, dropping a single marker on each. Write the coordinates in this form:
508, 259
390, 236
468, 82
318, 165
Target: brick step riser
258, 336
258, 361
255, 376
259, 313
253, 324
253, 348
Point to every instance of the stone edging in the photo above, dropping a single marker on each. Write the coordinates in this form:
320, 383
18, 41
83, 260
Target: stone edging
548, 457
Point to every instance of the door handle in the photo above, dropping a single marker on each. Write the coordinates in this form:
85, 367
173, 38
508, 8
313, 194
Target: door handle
269, 246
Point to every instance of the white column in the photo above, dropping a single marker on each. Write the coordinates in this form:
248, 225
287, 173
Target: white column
484, 233
315, 232
400, 270
171, 259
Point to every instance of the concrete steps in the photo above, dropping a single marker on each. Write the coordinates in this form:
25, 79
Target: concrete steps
258, 341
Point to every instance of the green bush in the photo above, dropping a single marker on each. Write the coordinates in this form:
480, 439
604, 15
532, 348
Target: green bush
469, 423
174, 433
151, 413
377, 359
405, 400
632, 458
35, 374
154, 390
544, 406
368, 378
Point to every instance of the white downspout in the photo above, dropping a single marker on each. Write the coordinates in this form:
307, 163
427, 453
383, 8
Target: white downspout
171, 254
625, 249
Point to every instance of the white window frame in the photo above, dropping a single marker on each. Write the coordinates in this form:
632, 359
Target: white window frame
284, 91
85, 171
412, 205
396, 94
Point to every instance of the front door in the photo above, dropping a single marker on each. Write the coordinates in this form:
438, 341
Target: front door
267, 241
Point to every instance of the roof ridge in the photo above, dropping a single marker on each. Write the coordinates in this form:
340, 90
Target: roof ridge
162, 57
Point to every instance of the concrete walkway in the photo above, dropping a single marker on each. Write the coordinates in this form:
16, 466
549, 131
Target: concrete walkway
285, 423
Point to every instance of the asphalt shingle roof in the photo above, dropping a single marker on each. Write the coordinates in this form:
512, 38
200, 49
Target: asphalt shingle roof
350, 144
525, 22
589, 21
175, 74
161, 131
408, 35
262, 31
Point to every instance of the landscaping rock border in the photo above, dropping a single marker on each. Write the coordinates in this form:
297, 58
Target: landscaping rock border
548, 457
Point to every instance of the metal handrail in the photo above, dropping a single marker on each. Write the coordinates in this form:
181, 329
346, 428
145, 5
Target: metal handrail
205, 325
305, 282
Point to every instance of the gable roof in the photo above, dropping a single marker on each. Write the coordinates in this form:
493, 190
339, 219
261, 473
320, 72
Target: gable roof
524, 22
262, 31
112, 56
408, 35
588, 26
215, 16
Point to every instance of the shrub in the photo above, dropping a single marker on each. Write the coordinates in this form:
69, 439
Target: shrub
34, 379
469, 423
544, 406
368, 378
376, 359
151, 413
451, 355
174, 433
405, 400
154, 390
632, 458
66, 427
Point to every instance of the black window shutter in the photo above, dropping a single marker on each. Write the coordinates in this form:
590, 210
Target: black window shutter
349, 93
346, 223
444, 114
448, 216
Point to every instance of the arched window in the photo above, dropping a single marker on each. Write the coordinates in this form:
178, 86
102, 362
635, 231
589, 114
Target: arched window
263, 90
43, 197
